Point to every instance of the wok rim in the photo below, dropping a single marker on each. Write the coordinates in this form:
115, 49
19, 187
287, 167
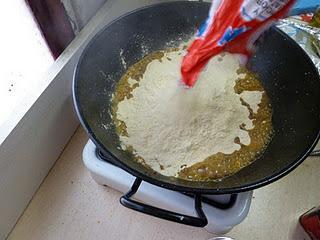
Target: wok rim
243, 188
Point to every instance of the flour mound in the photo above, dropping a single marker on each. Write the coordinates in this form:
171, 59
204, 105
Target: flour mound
171, 127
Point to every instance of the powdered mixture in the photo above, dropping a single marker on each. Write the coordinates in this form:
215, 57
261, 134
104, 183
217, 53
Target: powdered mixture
173, 128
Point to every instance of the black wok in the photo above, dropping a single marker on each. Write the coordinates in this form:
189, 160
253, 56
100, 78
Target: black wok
288, 75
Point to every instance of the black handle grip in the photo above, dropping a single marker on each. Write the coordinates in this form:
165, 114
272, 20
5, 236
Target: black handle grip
199, 221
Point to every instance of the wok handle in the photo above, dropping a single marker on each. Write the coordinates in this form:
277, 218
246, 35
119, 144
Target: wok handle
199, 221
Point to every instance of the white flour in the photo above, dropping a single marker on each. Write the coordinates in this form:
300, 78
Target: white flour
170, 126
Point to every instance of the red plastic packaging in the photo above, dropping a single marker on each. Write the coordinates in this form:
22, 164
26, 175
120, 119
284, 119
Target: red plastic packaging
232, 25
310, 221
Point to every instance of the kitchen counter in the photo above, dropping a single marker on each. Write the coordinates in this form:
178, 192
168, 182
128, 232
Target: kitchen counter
71, 205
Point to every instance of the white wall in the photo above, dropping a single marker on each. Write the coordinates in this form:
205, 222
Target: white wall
18, 75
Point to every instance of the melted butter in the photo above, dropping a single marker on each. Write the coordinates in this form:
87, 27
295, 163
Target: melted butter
219, 165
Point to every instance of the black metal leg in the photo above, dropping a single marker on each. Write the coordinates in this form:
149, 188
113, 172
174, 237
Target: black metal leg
199, 221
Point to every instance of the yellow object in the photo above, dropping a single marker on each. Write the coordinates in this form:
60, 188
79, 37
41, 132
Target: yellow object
315, 22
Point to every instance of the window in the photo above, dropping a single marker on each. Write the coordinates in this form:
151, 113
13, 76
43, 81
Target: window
54, 23
25, 57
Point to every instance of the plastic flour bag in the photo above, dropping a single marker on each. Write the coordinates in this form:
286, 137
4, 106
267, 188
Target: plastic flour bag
232, 26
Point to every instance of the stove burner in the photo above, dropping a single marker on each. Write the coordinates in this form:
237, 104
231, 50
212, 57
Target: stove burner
221, 205
216, 213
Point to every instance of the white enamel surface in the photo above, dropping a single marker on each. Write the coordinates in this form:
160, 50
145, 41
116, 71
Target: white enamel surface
219, 221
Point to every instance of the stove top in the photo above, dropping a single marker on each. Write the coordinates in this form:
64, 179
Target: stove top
216, 213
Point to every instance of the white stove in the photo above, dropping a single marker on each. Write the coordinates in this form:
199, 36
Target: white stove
222, 212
